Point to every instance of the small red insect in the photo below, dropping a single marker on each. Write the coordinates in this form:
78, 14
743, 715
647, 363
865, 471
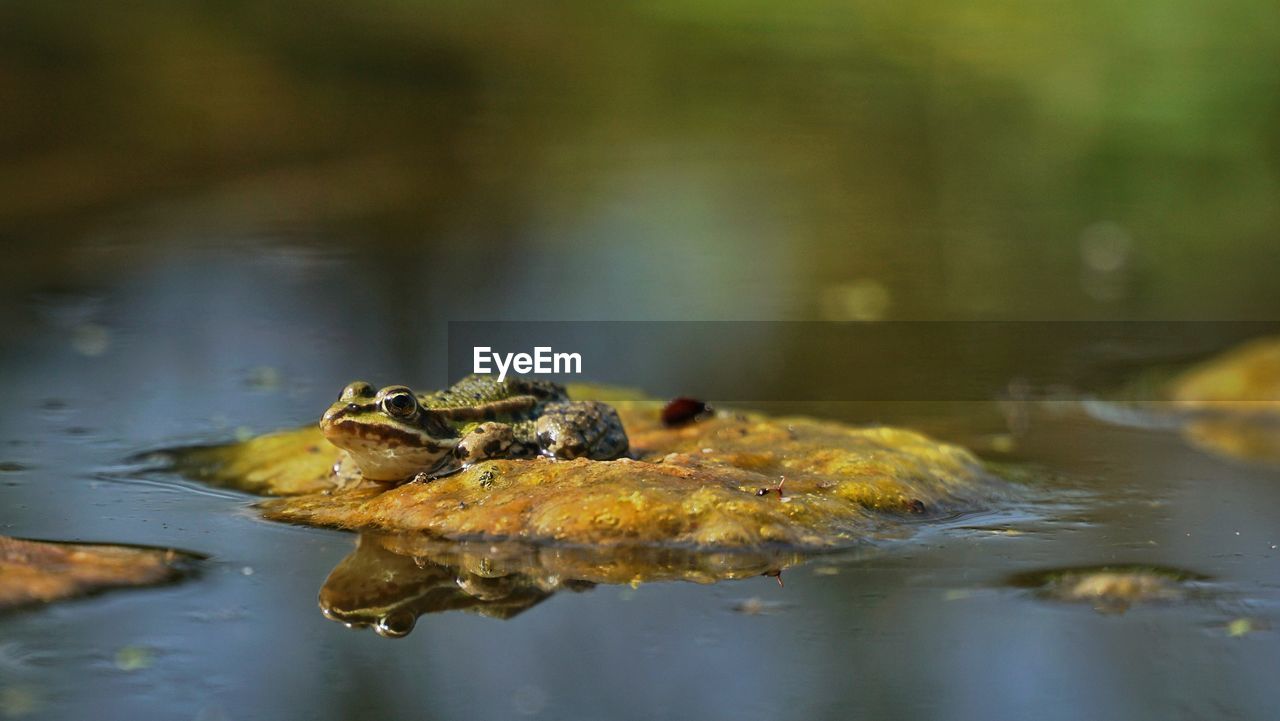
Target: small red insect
684, 410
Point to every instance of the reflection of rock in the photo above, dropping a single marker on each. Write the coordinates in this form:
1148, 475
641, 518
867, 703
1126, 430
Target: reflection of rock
40, 572
390, 580
1111, 589
699, 484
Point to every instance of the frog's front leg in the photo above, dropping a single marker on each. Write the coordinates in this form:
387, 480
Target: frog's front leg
577, 429
487, 440
346, 473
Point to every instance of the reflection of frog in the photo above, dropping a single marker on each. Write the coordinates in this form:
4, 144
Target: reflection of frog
387, 591
392, 579
394, 434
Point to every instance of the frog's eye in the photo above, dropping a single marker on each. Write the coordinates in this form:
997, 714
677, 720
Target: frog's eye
400, 403
359, 389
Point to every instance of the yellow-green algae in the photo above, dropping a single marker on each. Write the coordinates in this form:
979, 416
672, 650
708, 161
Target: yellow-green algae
285, 463
711, 483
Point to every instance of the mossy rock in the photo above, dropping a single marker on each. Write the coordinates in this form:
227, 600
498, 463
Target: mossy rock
1228, 405
710, 483
1232, 402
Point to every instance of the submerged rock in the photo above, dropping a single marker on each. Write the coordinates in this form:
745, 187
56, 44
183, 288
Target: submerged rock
1112, 589
40, 571
728, 480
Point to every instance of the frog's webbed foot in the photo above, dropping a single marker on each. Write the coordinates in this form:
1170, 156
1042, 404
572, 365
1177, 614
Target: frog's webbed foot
577, 429
448, 465
346, 474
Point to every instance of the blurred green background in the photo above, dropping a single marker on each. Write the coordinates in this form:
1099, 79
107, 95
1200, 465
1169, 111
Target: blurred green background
816, 159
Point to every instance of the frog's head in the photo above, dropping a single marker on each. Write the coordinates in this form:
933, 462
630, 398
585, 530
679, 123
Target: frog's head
388, 434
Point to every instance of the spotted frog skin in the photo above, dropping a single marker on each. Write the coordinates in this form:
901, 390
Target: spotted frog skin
394, 434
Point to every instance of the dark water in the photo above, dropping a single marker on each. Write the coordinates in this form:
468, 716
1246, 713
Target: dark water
215, 216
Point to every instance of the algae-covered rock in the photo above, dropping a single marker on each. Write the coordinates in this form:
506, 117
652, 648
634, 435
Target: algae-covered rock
1233, 402
284, 463
1245, 379
391, 579
1228, 405
41, 571
711, 483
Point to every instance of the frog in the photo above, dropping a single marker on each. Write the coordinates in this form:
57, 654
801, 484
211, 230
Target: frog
395, 435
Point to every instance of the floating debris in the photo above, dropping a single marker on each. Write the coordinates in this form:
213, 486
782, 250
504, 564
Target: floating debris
1241, 627
133, 658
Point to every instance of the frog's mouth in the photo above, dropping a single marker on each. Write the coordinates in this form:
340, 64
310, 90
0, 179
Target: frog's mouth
348, 433
385, 453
